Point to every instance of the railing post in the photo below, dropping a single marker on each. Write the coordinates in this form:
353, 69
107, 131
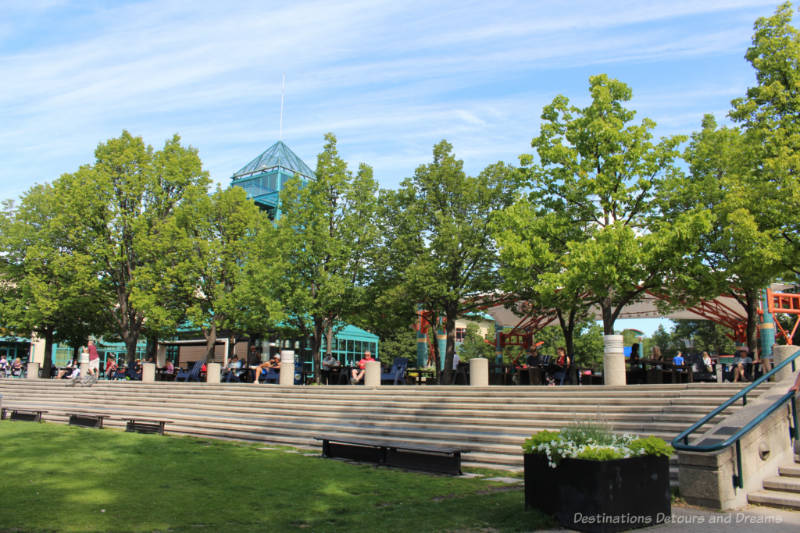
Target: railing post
795, 430
738, 479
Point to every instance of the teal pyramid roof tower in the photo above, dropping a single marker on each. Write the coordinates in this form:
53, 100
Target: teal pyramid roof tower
264, 177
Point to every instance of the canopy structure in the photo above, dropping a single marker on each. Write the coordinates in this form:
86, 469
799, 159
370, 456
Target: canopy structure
724, 309
265, 176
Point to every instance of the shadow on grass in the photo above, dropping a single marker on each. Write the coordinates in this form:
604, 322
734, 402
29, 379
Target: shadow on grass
58, 478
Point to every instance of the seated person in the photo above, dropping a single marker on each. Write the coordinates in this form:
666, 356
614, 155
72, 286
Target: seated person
75, 374
740, 364
5, 368
272, 364
707, 363
233, 369
16, 367
329, 363
678, 359
67, 370
533, 357
111, 367
563, 363
358, 373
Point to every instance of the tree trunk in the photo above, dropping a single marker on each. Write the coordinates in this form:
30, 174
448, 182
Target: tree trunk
47, 363
211, 341
568, 330
316, 347
606, 309
131, 341
450, 348
751, 307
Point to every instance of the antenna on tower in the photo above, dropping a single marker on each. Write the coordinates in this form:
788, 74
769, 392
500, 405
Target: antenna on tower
283, 90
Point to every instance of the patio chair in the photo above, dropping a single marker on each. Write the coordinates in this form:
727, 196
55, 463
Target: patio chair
397, 374
190, 375
269, 376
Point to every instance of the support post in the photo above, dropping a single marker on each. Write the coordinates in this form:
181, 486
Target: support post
372, 376
213, 372
479, 372
148, 372
613, 360
286, 377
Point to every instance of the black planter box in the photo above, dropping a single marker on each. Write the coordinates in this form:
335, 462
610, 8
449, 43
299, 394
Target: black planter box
600, 496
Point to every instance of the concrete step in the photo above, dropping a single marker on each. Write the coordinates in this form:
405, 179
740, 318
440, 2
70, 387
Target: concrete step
781, 483
771, 498
792, 470
491, 422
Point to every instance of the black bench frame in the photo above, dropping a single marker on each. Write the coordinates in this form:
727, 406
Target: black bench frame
141, 425
27, 415
86, 420
412, 457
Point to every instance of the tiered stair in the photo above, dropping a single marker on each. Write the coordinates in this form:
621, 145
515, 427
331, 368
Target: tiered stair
491, 422
782, 490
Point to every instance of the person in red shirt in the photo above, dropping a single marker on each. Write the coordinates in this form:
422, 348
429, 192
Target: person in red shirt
94, 360
357, 374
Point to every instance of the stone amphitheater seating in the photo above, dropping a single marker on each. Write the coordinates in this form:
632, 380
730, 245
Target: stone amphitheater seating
490, 422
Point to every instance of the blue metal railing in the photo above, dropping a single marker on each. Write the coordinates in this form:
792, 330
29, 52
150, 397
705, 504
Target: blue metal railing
681, 442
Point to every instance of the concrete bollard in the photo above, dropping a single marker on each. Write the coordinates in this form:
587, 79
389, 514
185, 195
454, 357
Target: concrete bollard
83, 363
479, 372
148, 372
286, 376
613, 360
372, 377
781, 354
213, 371
33, 370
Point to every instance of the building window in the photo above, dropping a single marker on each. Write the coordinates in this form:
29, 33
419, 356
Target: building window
461, 333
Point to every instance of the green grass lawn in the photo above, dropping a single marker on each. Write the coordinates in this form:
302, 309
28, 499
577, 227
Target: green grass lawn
60, 478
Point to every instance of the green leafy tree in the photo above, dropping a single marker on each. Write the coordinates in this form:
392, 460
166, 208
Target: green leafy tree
476, 345
769, 116
120, 212
326, 229
48, 287
532, 235
442, 225
222, 232
741, 251
605, 172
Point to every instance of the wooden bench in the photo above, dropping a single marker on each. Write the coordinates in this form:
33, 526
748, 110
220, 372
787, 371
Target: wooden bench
413, 457
86, 420
28, 415
140, 425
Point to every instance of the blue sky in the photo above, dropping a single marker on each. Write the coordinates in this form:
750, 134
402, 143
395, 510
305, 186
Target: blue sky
390, 79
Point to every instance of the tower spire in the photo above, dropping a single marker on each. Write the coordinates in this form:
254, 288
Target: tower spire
283, 90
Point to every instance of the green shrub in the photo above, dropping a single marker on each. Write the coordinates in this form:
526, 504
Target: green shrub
651, 446
540, 437
604, 453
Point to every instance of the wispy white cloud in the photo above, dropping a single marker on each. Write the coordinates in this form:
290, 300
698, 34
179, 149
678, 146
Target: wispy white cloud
390, 78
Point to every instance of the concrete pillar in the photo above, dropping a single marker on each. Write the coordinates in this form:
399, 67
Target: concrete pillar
161, 355
287, 368
479, 372
781, 353
148, 372
83, 363
372, 376
33, 370
213, 371
613, 360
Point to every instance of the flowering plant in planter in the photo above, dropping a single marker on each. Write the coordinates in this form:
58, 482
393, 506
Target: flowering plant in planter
586, 441
585, 472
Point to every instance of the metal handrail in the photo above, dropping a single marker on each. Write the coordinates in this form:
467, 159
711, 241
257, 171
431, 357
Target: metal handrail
681, 442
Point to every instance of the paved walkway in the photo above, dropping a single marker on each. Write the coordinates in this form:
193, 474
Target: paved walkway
751, 519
